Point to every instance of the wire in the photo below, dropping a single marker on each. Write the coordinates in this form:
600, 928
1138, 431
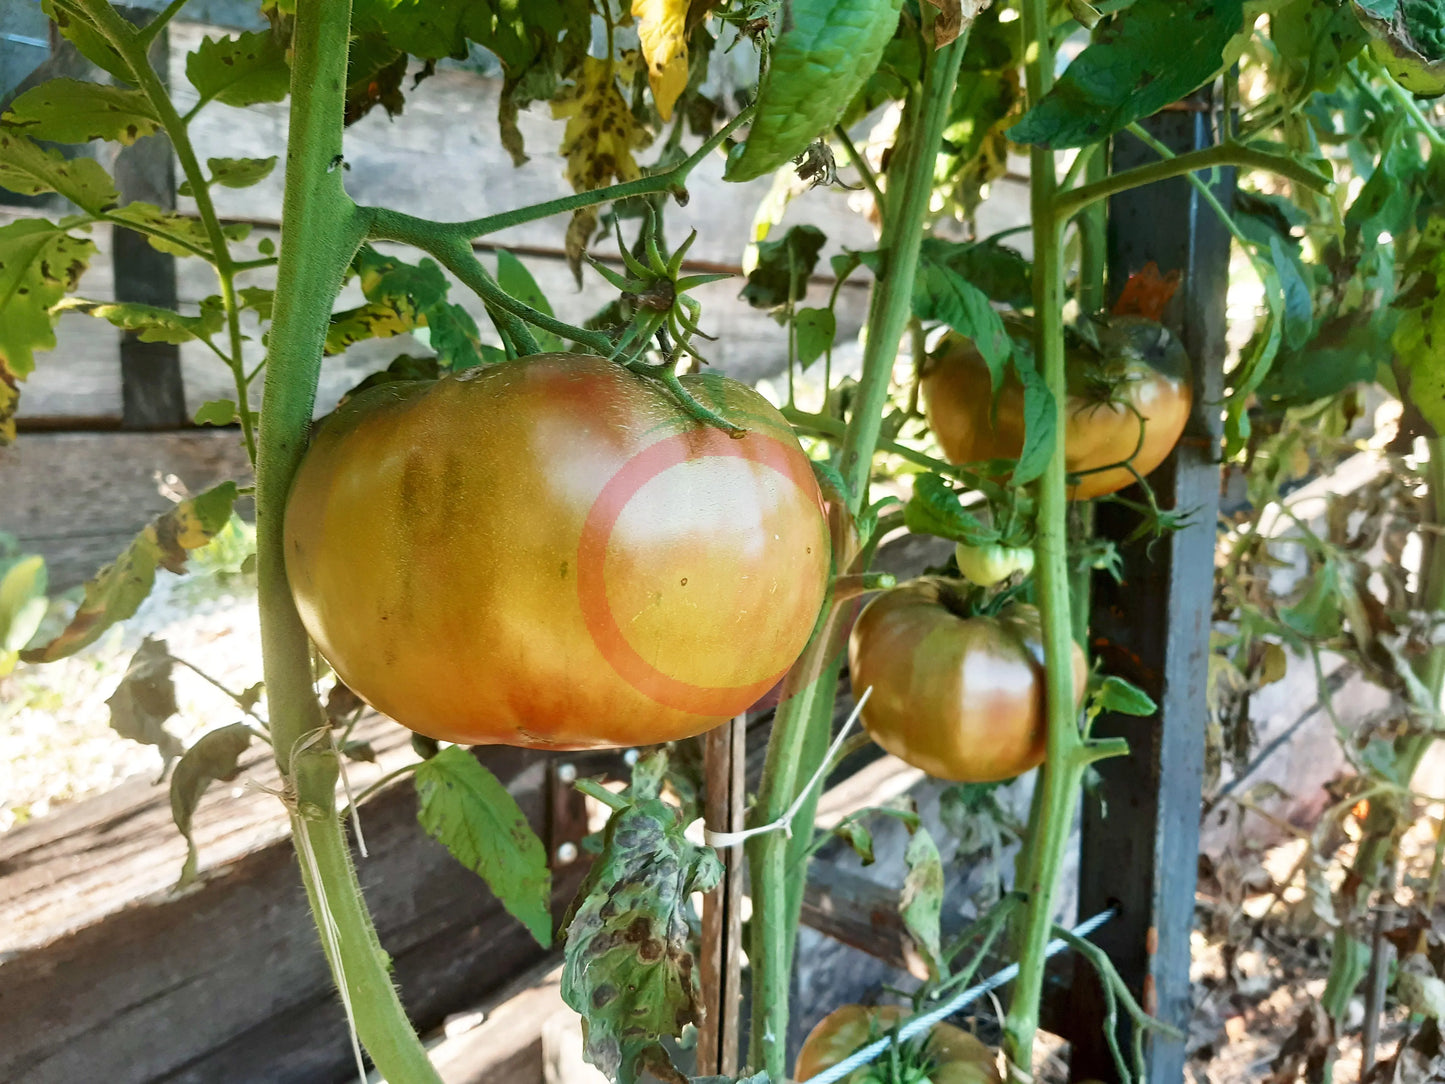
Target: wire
925, 1021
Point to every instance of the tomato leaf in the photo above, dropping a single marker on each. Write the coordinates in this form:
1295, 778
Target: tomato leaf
116, 591
814, 330
1316, 614
150, 323
1146, 57
940, 293
74, 111
241, 70
783, 267
214, 758
173, 233
1000, 272
597, 142
1298, 305
465, 808
80, 30
857, 836
1420, 330
234, 172
1039, 425
1117, 695
23, 604
30, 169
820, 61
39, 264
627, 969
662, 32
513, 276
934, 508
921, 904
401, 298
145, 699
216, 412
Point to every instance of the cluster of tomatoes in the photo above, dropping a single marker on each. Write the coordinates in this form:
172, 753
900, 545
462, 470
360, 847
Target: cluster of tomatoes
551, 552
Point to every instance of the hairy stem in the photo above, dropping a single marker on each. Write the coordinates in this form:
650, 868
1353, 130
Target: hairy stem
1067, 757
800, 730
321, 229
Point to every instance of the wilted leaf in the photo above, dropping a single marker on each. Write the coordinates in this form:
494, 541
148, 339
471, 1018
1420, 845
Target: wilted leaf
116, 592
921, 904
627, 968
145, 699
465, 808
598, 141
241, 70
73, 111
214, 758
857, 836
662, 30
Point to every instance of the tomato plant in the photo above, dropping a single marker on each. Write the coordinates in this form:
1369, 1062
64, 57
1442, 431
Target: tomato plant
959, 695
949, 1055
513, 554
508, 543
1129, 398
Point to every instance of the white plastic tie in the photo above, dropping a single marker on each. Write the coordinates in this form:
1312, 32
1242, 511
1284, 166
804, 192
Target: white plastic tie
784, 823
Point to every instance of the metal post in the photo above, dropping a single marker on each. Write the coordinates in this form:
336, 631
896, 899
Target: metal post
1140, 835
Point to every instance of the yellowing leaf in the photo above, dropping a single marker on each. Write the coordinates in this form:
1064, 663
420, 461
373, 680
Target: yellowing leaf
662, 29
598, 142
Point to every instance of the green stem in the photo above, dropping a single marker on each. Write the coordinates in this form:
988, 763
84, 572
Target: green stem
865, 171
800, 729
322, 230
891, 304
1243, 156
134, 46
160, 22
667, 181
1407, 102
1068, 755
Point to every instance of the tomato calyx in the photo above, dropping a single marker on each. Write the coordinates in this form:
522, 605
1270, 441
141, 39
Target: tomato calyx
653, 299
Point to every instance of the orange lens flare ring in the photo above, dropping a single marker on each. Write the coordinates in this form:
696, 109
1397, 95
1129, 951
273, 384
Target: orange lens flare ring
592, 554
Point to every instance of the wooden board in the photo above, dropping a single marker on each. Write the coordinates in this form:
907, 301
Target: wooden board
226, 982
79, 498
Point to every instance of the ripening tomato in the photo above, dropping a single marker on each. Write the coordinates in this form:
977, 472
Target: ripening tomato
960, 697
550, 552
1140, 381
950, 1056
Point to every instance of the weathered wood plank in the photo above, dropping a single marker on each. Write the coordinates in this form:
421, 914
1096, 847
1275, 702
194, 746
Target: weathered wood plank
226, 982
78, 498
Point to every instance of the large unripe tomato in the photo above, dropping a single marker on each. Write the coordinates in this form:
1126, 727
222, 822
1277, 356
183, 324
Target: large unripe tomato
550, 552
1141, 374
953, 1055
960, 697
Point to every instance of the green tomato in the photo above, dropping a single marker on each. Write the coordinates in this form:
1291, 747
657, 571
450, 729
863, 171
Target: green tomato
988, 565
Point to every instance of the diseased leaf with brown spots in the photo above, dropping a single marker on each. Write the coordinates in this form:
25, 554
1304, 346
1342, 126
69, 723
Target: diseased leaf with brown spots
151, 323
39, 263
145, 699
627, 968
662, 31
214, 758
74, 111
403, 297
116, 591
598, 142
175, 234
30, 169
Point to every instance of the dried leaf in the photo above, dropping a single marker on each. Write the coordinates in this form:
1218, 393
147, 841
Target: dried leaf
662, 30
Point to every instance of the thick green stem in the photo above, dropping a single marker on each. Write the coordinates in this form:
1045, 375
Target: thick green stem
321, 230
1043, 856
800, 731
891, 304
